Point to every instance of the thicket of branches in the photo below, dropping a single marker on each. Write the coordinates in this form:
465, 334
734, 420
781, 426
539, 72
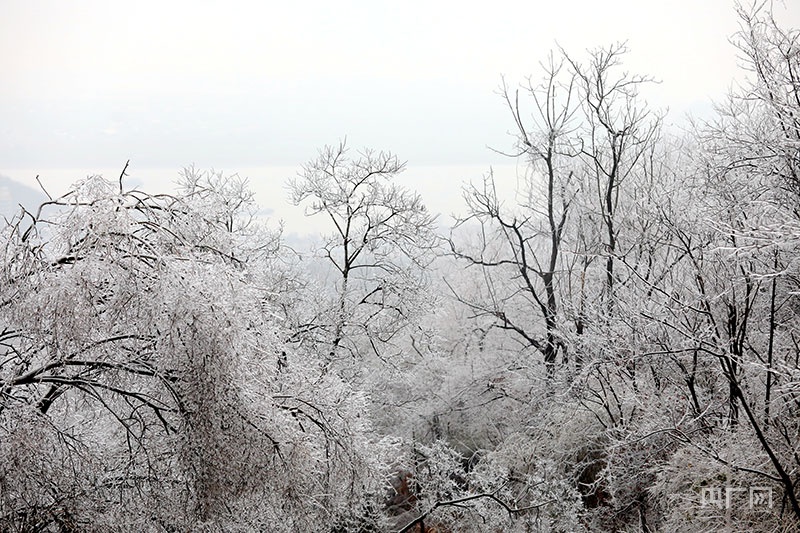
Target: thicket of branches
616, 348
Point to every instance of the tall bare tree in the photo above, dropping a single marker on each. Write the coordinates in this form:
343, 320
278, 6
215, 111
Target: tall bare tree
380, 244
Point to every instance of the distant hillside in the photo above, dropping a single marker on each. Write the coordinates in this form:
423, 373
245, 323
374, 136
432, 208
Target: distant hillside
13, 193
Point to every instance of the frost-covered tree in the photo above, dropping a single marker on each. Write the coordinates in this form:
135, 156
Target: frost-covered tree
732, 324
521, 248
145, 382
379, 246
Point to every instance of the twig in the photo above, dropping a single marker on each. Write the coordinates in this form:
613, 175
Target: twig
459, 502
122, 174
43, 189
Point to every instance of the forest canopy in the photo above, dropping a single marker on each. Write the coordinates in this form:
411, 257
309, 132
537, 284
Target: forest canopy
616, 350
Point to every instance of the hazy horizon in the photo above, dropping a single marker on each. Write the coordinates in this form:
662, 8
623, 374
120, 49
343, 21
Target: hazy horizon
439, 185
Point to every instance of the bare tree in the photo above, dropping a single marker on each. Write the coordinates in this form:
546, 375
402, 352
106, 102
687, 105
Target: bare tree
772, 55
379, 247
526, 243
588, 136
618, 131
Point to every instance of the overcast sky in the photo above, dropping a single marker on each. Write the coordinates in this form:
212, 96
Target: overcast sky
89, 84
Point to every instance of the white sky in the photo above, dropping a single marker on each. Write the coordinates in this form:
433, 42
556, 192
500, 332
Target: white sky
88, 84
